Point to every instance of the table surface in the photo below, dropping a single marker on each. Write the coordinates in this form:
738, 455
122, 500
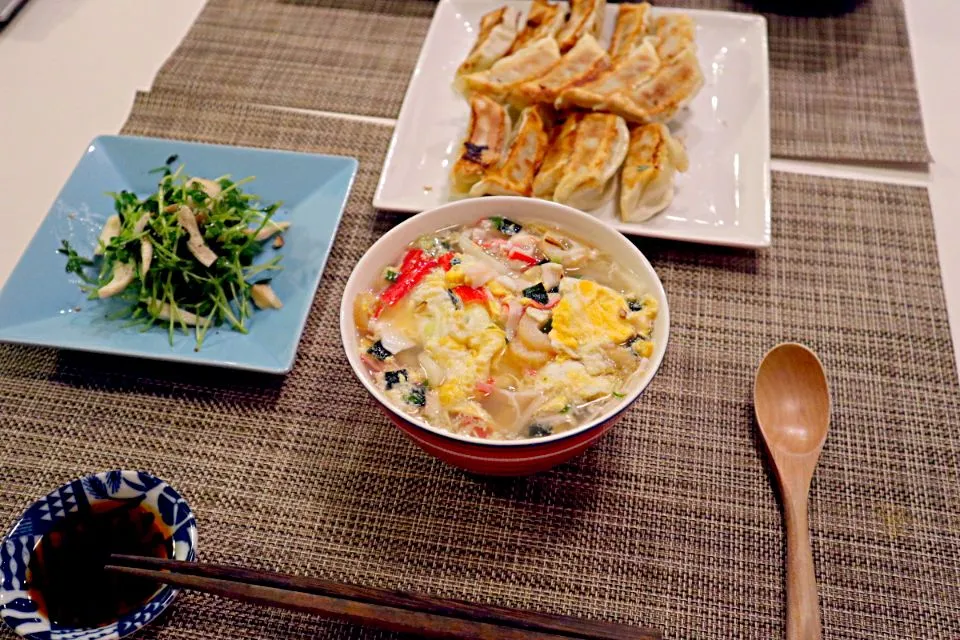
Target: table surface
70, 69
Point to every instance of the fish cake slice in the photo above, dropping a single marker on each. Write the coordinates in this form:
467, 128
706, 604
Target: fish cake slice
599, 150
633, 23
561, 148
498, 31
586, 18
647, 178
580, 64
485, 144
514, 176
543, 21
513, 70
627, 73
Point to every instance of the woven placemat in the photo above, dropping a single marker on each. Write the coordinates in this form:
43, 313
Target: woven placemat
348, 56
670, 521
841, 87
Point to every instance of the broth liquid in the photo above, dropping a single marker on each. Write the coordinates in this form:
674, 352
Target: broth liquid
66, 575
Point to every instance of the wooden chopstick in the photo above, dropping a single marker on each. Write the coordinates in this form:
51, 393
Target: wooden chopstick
390, 610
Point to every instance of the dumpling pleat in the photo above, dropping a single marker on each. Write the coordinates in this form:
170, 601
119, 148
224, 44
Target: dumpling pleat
585, 61
648, 174
543, 21
599, 150
498, 31
485, 143
515, 175
510, 72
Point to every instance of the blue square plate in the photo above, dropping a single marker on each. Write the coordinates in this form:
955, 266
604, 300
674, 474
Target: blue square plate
41, 304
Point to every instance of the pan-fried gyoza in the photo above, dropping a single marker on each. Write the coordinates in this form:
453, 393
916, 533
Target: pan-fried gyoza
579, 107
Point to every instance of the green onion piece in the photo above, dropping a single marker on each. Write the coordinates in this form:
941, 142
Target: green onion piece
418, 396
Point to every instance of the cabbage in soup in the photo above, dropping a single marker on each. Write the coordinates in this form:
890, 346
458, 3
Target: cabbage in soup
505, 330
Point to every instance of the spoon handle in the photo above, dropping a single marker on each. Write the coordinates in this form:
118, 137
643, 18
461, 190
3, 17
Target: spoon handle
803, 607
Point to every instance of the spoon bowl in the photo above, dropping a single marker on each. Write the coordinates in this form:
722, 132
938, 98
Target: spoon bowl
792, 402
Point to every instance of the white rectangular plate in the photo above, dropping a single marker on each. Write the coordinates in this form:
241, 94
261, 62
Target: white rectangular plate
723, 199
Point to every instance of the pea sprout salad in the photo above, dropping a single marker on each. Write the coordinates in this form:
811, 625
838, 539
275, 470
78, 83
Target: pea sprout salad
184, 256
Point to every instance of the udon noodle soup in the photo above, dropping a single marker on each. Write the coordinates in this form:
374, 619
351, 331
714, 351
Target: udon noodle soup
505, 330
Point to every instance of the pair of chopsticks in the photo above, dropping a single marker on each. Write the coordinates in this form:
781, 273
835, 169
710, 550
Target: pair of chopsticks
391, 610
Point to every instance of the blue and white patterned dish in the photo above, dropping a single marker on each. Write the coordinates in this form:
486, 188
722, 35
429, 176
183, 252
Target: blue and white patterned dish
21, 613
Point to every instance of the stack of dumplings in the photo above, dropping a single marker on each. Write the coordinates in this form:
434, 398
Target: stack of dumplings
556, 115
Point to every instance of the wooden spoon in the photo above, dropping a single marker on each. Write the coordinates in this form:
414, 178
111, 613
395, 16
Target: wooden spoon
792, 401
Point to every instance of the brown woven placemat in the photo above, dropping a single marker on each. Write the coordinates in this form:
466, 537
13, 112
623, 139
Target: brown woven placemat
841, 87
349, 56
670, 521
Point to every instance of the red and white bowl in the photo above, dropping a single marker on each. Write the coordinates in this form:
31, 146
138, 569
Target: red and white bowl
502, 457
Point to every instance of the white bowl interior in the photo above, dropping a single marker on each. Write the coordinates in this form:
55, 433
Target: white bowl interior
389, 248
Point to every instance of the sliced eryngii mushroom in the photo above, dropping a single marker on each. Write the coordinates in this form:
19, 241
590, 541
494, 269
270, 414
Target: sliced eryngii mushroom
165, 312
123, 274
436, 375
195, 243
264, 297
551, 273
391, 338
270, 229
141, 223
528, 331
209, 187
146, 247
502, 406
111, 229
565, 251
146, 256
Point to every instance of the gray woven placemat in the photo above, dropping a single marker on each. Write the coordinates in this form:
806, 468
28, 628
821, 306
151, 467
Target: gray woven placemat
842, 88
670, 521
349, 56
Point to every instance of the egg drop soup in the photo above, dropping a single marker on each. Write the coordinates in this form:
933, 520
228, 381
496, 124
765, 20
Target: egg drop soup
505, 330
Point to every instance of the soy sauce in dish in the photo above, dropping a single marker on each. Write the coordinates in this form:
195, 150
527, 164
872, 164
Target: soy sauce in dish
66, 575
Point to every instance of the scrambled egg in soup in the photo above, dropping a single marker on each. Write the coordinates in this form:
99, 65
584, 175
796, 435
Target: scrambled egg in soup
461, 339
588, 318
498, 330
